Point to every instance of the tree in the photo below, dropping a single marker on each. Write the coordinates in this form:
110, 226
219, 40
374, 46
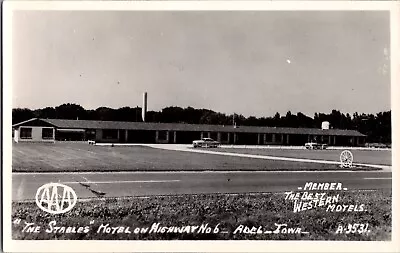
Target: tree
128, 114
104, 113
277, 119
304, 121
46, 113
70, 111
21, 114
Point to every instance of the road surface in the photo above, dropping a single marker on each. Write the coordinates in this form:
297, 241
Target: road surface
123, 184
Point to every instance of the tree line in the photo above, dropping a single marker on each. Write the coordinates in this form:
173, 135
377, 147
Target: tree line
377, 127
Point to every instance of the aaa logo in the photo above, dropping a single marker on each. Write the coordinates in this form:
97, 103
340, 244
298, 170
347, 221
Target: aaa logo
55, 198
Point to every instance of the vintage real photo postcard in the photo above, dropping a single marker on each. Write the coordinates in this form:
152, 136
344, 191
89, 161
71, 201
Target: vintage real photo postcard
200, 126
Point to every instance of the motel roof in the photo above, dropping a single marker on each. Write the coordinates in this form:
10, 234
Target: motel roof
95, 124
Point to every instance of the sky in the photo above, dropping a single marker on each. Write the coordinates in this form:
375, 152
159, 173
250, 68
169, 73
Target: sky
250, 63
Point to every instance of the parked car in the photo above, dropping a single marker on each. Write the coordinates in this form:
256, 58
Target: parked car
205, 143
314, 145
377, 145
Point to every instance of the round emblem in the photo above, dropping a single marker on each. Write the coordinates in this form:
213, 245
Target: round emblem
55, 198
346, 159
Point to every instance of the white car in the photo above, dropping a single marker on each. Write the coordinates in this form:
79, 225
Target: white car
314, 145
205, 143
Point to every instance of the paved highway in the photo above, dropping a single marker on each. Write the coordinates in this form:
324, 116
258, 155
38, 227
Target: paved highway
121, 184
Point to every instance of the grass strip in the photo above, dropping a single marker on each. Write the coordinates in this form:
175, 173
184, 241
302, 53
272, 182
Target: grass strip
227, 211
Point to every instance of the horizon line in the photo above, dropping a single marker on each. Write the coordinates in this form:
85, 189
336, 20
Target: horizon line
227, 114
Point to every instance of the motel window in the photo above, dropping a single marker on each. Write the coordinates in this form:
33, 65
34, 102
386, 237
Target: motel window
90, 134
162, 135
268, 138
110, 134
47, 133
25, 133
91, 131
224, 136
206, 135
214, 136
325, 139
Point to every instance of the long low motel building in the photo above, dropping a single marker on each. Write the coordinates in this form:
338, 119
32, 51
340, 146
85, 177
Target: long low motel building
50, 130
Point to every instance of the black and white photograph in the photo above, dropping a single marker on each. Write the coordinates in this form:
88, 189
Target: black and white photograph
210, 123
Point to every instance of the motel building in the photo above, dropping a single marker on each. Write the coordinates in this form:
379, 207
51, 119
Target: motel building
51, 130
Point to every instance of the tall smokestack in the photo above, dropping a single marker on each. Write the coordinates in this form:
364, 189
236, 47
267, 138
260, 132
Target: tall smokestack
144, 107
